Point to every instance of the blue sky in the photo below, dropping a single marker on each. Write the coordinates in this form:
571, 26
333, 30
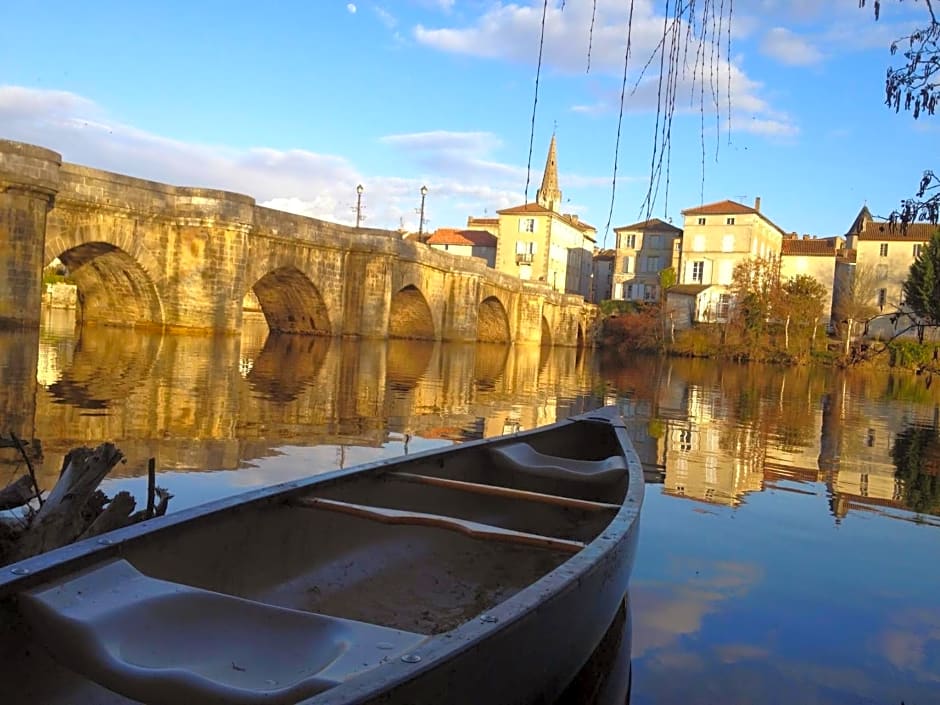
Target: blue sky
296, 103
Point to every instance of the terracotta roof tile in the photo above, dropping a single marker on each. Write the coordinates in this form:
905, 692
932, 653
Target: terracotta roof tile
812, 247
452, 236
725, 207
915, 232
536, 209
651, 224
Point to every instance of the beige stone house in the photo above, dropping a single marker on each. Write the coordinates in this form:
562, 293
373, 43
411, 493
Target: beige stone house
602, 275
643, 250
814, 257
467, 243
536, 241
717, 236
881, 256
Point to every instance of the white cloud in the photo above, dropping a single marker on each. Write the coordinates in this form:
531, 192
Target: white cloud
458, 168
385, 17
510, 32
788, 48
351, 8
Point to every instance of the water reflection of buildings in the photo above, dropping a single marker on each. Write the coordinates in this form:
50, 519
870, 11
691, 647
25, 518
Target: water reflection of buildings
721, 432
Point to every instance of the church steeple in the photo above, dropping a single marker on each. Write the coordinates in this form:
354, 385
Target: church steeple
549, 195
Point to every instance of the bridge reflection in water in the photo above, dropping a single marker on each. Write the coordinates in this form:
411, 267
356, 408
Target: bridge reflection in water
203, 403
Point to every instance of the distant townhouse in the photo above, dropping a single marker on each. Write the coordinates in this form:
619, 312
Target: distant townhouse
467, 243
882, 254
716, 237
814, 257
643, 250
536, 241
602, 275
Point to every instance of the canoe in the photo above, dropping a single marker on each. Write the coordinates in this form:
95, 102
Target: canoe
485, 572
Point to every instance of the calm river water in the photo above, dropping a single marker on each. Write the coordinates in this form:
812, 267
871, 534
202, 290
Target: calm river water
789, 545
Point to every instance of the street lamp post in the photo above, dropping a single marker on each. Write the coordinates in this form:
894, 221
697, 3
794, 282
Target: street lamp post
424, 192
359, 191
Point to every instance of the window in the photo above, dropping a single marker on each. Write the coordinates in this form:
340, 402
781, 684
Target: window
525, 252
729, 221
881, 271
630, 240
698, 271
627, 265
701, 221
724, 305
882, 298
648, 292
655, 242
883, 249
629, 295
918, 249
527, 225
685, 440
727, 243
652, 264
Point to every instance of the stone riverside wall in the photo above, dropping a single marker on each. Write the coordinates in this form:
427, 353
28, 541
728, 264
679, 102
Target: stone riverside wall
154, 255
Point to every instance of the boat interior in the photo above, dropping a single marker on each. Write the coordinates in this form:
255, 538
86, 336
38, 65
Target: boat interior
349, 572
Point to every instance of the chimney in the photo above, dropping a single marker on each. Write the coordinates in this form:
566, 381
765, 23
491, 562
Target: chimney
757, 204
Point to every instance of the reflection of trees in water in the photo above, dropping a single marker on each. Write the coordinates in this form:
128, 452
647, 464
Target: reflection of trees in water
108, 364
287, 365
406, 363
916, 455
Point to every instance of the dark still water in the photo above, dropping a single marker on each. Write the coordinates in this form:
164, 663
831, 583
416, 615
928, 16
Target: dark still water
790, 541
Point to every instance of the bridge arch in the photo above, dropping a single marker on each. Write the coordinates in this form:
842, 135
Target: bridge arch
409, 315
113, 288
291, 303
492, 322
546, 339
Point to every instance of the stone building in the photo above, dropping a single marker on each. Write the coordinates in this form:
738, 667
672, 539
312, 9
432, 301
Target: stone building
468, 243
882, 256
536, 241
602, 275
643, 251
814, 257
716, 237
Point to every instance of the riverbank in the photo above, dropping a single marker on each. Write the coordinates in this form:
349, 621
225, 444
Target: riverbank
645, 332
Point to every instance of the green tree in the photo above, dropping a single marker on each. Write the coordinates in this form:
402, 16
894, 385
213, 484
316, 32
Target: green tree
916, 455
922, 288
667, 280
801, 303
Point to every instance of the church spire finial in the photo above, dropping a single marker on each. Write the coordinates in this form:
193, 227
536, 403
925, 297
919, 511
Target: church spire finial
549, 195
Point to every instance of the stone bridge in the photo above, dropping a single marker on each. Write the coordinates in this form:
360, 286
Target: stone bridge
153, 255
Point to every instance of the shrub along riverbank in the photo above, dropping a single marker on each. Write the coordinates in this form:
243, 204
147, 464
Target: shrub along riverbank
643, 328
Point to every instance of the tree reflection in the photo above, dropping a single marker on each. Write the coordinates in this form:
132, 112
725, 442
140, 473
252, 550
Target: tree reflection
916, 455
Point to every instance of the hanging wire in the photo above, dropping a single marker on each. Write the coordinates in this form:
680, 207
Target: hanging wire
535, 102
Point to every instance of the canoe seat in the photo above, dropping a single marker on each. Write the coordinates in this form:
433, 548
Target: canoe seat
523, 458
162, 642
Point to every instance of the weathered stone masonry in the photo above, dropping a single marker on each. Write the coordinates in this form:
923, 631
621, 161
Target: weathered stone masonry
149, 254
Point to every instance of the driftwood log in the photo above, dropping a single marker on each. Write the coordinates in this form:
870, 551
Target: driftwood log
75, 508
